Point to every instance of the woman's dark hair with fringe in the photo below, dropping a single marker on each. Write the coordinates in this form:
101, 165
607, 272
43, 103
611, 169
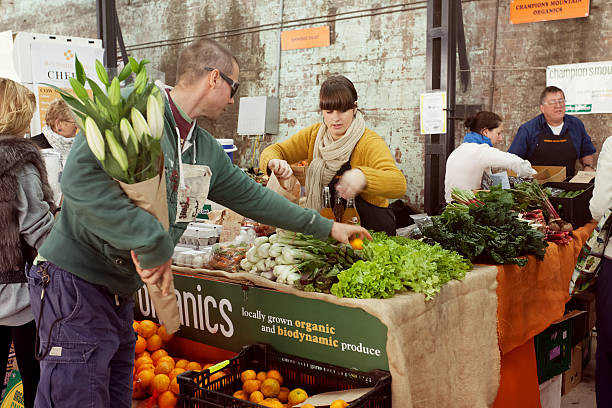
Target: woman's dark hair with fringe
337, 93
483, 120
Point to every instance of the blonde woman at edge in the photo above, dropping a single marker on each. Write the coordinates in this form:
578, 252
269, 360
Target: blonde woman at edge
343, 154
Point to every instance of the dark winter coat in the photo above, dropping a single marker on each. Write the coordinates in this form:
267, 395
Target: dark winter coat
15, 152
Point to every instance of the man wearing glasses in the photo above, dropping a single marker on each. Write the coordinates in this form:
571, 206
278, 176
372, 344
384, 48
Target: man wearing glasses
554, 138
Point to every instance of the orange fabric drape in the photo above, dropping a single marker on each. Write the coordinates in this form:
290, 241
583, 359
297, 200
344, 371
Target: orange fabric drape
518, 386
531, 298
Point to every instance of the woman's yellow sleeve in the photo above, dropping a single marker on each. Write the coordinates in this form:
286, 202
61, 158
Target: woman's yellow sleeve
292, 150
373, 157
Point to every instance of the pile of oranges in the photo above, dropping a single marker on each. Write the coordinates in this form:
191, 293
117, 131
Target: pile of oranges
154, 370
265, 388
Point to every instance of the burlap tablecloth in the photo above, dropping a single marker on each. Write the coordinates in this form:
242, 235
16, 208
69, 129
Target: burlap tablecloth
442, 353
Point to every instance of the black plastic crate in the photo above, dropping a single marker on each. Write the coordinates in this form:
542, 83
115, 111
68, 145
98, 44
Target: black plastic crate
573, 210
314, 377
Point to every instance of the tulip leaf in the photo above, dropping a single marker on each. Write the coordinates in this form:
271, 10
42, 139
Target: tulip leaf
143, 63
134, 65
78, 89
98, 92
125, 72
80, 72
102, 74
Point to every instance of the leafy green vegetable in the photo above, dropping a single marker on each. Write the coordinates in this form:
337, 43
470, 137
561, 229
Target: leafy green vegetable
490, 233
394, 263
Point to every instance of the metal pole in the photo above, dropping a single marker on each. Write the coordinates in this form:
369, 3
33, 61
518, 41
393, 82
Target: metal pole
107, 31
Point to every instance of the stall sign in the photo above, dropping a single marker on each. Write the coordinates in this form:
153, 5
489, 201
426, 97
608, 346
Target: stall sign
587, 87
529, 11
230, 316
433, 113
305, 38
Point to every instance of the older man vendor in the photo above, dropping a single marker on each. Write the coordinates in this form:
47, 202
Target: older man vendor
554, 138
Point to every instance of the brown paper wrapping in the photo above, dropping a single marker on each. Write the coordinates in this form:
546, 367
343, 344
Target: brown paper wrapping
290, 188
150, 195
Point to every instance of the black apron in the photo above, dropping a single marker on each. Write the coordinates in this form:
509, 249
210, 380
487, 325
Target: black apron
555, 151
372, 217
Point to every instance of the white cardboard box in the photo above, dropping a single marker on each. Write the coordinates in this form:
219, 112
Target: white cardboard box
550, 393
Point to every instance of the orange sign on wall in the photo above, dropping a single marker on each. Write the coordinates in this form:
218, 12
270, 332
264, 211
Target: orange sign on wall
529, 11
305, 38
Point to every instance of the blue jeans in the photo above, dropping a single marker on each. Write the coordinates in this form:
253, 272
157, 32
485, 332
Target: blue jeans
87, 339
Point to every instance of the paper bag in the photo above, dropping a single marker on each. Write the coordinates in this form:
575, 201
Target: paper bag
290, 188
150, 195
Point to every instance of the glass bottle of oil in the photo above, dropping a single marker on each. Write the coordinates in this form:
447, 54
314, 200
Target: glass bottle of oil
338, 208
326, 210
351, 216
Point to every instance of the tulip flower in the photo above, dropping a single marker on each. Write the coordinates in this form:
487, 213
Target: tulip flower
114, 92
139, 124
155, 117
127, 133
94, 138
116, 150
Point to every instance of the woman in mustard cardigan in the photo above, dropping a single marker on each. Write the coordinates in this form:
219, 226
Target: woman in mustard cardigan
343, 154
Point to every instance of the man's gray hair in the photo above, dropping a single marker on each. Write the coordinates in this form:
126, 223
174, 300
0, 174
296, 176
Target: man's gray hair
201, 54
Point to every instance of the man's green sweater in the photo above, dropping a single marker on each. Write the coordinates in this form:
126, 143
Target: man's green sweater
99, 225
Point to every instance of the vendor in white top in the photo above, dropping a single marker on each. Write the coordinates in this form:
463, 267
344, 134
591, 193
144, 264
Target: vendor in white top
467, 164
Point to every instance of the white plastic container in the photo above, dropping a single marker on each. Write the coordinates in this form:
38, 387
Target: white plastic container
228, 146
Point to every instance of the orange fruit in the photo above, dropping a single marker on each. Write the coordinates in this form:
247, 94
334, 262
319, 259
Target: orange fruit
250, 386
216, 376
283, 395
241, 395
271, 402
160, 383
246, 375
182, 363
193, 366
338, 404
356, 243
138, 391
136, 325
141, 345
270, 387
163, 367
147, 328
166, 359
144, 353
146, 366
175, 372
157, 354
276, 375
167, 400
174, 386
154, 342
145, 377
142, 360
164, 334
297, 396
256, 397
262, 375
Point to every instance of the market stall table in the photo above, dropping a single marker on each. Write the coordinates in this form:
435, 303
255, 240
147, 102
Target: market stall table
442, 352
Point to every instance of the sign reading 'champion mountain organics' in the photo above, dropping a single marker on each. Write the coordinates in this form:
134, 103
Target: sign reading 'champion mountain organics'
229, 316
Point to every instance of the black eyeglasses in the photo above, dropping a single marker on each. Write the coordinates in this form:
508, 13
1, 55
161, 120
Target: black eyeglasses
233, 84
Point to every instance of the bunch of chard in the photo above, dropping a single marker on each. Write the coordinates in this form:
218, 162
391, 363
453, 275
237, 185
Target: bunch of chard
465, 197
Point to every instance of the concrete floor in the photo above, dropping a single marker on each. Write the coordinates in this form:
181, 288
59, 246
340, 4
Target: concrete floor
583, 395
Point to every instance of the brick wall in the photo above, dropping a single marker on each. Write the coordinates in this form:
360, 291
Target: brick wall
381, 51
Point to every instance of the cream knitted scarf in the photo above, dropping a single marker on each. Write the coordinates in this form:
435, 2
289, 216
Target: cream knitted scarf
327, 158
58, 142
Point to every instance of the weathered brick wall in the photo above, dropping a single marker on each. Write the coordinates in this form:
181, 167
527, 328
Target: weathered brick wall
383, 54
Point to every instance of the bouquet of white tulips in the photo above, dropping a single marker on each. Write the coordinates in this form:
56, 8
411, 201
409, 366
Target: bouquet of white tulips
124, 134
